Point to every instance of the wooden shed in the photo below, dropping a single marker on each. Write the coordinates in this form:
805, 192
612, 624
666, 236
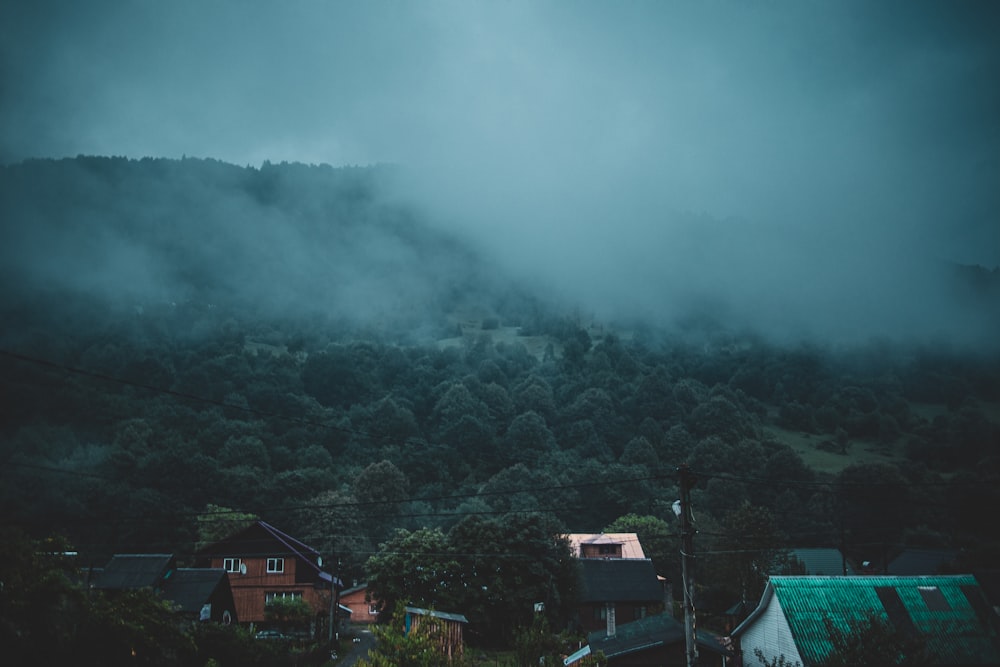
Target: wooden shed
451, 627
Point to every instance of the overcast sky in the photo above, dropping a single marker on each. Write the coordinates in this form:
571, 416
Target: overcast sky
772, 156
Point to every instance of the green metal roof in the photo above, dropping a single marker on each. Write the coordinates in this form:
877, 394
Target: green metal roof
950, 612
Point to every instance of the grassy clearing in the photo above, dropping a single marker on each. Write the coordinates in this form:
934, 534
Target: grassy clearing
509, 335
859, 451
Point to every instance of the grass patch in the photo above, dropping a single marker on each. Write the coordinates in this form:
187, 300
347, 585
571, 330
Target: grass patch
858, 451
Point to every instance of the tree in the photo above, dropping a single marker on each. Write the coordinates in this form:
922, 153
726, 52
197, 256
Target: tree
39, 606
528, 433
216, 523
535, 644
47, 618
749, 552
658, 544
390, 422
383, 485
457, 401
639, 451
395, 646
134, 627
873, 640
873, 502
777, 661
288, 613
722, 418
414, 567
534, 393
331, 523
509, 564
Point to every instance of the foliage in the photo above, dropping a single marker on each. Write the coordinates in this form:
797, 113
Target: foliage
420, 647
39, 603
47, 618
134, 627
658, 542
217, 523
416, 568
491, 570
511, 563
288, 612
874, 641
537, 644
778, 661
749, 550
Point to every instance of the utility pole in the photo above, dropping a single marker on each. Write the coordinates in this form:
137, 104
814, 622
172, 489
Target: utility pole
334, 604
683, 509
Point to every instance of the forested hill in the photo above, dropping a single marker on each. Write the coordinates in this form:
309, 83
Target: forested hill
291, 341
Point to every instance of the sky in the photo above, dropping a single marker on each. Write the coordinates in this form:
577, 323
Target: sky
800, 164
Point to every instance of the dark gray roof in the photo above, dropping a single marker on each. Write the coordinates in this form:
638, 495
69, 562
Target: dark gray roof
989, 581
618, 580
190, 588
914, 562
647, 633
826, 562
354, 589
129, 571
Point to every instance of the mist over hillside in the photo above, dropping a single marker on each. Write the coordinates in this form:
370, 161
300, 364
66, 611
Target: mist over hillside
361, 248
280, 242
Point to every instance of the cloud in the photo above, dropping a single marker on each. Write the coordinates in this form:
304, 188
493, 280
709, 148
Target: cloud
799, 162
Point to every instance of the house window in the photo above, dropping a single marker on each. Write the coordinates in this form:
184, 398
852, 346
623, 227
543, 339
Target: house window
275, 565
232, 564
282, 595
373, 609
601, 613
638, 613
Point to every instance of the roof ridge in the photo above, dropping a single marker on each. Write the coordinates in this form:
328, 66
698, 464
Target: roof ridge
285, 538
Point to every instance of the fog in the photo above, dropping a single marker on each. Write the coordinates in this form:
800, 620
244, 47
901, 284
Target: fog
804, 168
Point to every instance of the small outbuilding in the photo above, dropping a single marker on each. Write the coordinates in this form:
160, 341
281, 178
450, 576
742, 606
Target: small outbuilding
452, 640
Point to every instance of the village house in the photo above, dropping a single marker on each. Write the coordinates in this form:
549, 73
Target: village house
604, 545
363, 610
199, 594
264, 564
950, 613
618, 590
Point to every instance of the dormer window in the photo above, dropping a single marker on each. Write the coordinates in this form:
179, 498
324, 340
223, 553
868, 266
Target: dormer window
275, 565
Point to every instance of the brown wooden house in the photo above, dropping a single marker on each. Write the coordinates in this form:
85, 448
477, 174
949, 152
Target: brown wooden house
263, 564
363, 610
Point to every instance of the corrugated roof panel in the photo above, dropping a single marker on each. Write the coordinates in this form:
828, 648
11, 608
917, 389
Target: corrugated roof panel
955, 633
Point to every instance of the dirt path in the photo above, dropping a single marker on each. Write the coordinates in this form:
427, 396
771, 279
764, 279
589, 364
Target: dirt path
358, 649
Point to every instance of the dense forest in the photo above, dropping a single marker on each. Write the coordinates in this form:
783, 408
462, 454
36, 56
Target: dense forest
294, 342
